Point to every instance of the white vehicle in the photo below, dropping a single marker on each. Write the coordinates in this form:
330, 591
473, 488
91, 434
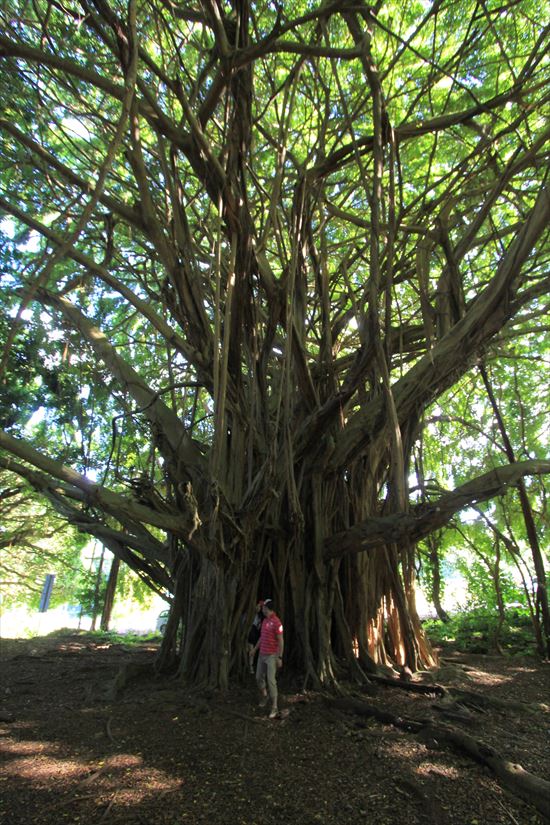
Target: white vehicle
162, 621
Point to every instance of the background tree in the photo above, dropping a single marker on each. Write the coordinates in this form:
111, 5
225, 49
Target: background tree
110, 591
460, 436
269, 239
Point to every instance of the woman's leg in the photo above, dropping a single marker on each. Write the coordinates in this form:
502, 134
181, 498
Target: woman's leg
261, 677
271, 667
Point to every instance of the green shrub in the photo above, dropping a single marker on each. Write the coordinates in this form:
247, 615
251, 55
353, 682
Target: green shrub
474, 631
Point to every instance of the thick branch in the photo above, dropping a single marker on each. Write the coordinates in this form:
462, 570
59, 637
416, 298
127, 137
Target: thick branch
61, 494
425, 518
43, 155
406, 131
110, 502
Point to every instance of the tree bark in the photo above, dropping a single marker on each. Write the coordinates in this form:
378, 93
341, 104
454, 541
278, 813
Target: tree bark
110, 594
97, 589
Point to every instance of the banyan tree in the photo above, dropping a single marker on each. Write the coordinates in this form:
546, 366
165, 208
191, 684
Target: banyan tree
246, 246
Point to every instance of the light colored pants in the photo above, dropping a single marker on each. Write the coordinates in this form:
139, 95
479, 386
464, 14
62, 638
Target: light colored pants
266, 671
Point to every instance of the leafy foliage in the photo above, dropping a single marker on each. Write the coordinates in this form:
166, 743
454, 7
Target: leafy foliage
475, 630
35, 541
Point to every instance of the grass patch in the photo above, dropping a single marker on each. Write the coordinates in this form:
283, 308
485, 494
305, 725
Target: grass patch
111, 636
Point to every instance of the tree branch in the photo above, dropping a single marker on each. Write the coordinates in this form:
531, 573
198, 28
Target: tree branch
425, 518
95, 495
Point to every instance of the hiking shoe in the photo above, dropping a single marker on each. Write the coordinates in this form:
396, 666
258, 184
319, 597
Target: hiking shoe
274, 713
263, 702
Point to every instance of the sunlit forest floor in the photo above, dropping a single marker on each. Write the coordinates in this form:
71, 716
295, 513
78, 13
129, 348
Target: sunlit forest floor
77, 750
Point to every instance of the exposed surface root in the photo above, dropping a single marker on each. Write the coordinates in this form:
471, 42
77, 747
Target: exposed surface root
527, 786
411, 687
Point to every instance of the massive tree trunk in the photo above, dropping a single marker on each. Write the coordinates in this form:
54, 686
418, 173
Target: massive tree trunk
266, 294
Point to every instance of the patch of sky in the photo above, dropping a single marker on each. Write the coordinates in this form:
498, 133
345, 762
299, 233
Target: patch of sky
26, 315
478, 410
36, 418
7, 227
468, 516
8, 280
56, 335
472, 80
140, 292
76, 127
415, 491
52, 360
32, 244
469, 443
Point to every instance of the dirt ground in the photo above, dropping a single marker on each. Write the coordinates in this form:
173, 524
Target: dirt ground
73, 751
